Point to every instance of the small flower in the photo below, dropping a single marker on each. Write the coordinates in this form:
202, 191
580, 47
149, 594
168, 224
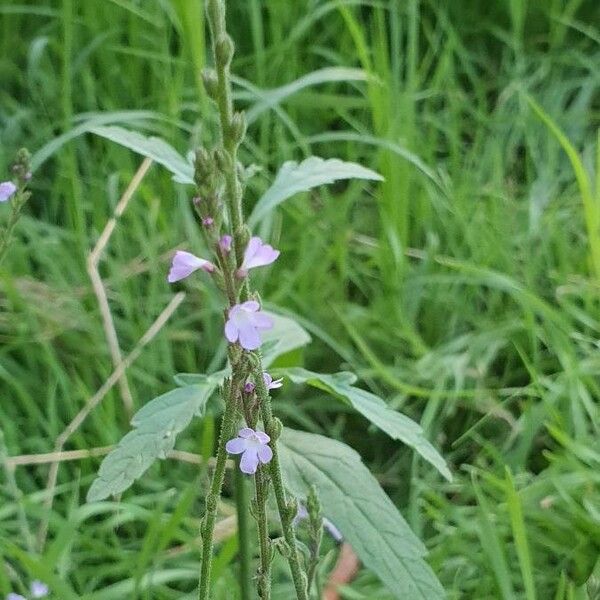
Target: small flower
302, 514
254, 448
196, 200
244, 323
185, 263
13, 596
258, 254
271, 385
38, 589
249, 387
225, 244
7, 189
207, 221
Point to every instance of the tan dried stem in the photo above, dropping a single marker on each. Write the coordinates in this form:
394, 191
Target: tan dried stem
92, 402
98, 285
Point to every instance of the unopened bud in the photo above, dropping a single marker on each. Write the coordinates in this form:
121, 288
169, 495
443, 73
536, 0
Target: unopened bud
223, 159
211, 83
275, 429
237, 127
224, 49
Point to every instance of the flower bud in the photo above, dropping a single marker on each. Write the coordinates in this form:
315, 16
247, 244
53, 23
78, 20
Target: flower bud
237, 127
249, 387
224, 49
292, 507
223, 159
275, 429
211, 83
207, 221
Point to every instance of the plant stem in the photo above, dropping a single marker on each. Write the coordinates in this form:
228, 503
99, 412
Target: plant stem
214, 493
287, 511
243, 529
264, 573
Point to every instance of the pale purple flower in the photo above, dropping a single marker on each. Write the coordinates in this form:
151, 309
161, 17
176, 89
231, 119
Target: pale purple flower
13, 596
197, 200
269, 383
302, 514
254, 448
38, 589
185, 263
7, 189
225, 243
207, 221
244, 322
249, 387
257, 254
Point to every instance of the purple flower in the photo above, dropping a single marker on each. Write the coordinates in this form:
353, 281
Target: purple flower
184, 264
13, 596
225, 243
302, 514
258, 254
38, 589
244, 323
254, 448
7, 189
249, 387
207, 221
271, 385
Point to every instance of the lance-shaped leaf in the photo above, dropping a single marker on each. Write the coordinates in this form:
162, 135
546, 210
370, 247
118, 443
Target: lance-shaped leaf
394, 423
156, 425
354, 501
151, 147
312, 172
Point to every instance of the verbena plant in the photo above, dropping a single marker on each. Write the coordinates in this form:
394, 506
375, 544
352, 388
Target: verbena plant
309, 475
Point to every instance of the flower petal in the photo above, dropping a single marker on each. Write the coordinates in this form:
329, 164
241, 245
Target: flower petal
249, 462
184, 264
258, 254
231, 331
236, 446
246, 432
38, 589
262, 437
265, 454
261, 321
334, 532
7, 189
249, 306
249, 338
13, 596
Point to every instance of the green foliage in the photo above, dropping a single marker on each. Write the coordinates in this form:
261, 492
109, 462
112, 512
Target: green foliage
312, 172
373, 408
157, 426
152, 147
459, 289
352, 498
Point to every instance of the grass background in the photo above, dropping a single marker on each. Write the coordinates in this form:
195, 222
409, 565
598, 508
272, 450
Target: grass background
461, 289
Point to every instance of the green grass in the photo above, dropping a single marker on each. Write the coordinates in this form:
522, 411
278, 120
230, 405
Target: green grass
464, 289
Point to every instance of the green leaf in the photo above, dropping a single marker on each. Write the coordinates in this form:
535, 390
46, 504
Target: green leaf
285, 335
312, 172
372, 407
152, 147
157, 425
354, 501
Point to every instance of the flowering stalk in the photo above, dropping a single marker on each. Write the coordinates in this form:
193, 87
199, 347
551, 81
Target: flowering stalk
236, 254
17, 194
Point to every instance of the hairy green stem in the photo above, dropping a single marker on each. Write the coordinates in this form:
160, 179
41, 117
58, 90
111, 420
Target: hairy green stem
264, 572
243, 530
7, 232
287, 510
212, 498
